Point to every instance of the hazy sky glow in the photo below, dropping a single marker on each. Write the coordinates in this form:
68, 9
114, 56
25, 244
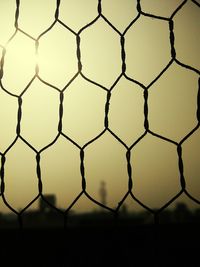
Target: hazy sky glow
172, 101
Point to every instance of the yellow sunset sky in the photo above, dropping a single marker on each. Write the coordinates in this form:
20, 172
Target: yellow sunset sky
172, 101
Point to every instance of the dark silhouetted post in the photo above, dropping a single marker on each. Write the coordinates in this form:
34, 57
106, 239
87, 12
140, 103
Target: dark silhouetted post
43, 206
103, 193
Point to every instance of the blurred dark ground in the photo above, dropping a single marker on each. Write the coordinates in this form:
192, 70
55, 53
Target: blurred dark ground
147, 245
100, 239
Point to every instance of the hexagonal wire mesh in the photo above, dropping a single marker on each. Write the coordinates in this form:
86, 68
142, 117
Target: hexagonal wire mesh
147, 130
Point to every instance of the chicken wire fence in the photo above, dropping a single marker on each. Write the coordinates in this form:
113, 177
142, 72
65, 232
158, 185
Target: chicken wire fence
63, 93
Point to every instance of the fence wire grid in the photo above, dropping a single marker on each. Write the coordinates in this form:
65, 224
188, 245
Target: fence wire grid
63, 93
